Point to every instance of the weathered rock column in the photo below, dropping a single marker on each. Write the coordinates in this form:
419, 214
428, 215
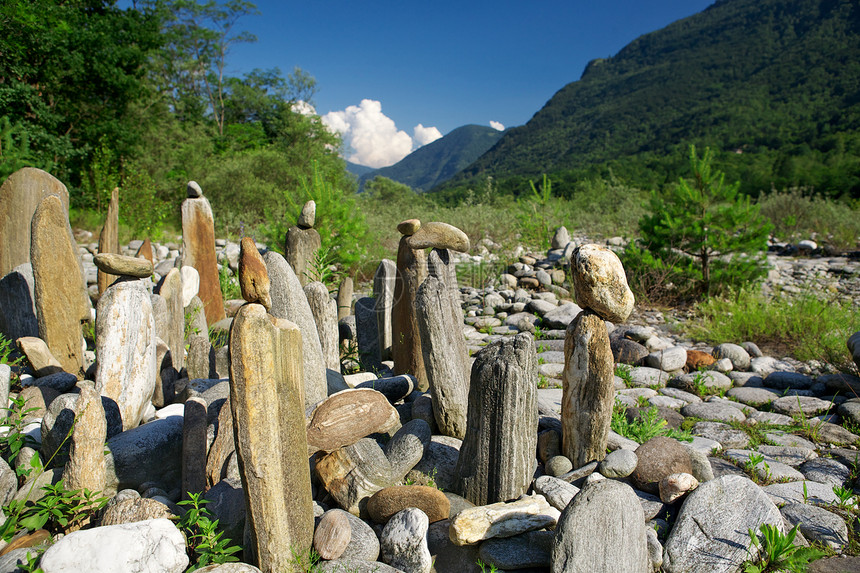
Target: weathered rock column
86, 465
171, 291
497, 458
61, 296
587, 381
344, 298
324, 310
303, 242
194, 447
383, 296
198, 250
109, 238
267, 400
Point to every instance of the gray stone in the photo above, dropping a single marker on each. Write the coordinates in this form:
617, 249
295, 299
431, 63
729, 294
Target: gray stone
711, 380
561, 316
618, 464
600, 283
406, 448
530, 549
439, 462
800, 406
711, 533
787, 381
307, 217
558, 465
603, 529
793, 492
301, 248
557, 492
713, 411
151, 452
289, 301
727, 436
753, 396
404, 542
383, 303
363, 543
826, 471
668, 360
367, 334
324, 310
739, 357
502, 417
17, 303
817, 524
643, 376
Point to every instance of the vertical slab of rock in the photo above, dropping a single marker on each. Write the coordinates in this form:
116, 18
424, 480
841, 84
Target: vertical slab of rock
198, 251
444, 366
171, 291
86, 465
602, 530
289, 302
125, 346
406, 339
367, 334
266, 395
497, 458
301, 248
324, 310
440, 265
109, 238
383, 295
17, 306
344, 298
61, 296
194, 447
20, 194
588, 389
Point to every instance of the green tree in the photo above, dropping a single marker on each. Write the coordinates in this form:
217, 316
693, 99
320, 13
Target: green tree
707, 220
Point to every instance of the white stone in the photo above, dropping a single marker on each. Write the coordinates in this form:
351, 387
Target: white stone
190, 284
476, 524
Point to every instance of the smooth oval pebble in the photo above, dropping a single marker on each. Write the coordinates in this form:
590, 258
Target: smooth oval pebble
332, 535
123, 265
390, 500
408, 227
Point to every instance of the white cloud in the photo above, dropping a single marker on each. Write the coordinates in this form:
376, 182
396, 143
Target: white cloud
496, 125
303, 108
371, 138
424, 135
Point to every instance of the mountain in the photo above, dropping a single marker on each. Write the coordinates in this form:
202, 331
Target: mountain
358, 170
772, 86
440, 160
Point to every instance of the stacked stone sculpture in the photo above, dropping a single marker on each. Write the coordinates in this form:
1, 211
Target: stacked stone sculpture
588, 391
109, 238
303, 242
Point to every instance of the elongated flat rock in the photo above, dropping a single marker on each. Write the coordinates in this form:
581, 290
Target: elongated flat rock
440, 236
476, 524
347, 416
115, 264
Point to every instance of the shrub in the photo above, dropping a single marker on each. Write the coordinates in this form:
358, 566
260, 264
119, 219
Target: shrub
797, 214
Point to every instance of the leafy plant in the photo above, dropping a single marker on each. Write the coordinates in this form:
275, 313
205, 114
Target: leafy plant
322, 269
6, 350
844, 495
204, 540
623, 372
648, 425
543, 381
14, 439
229, 283
486, 568
58, 510
777, 551
752, 464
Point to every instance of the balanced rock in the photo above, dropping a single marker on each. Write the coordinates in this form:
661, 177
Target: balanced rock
123, 265
440, 236
602, 530
307, 217
502, 418
347, 416
301, 248
600, 283
253, 276
657, 458
674, 486
408, 227
266, 387
193, 190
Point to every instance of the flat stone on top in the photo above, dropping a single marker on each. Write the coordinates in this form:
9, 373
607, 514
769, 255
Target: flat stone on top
123, 265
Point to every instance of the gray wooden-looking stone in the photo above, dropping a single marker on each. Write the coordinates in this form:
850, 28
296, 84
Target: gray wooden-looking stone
289, 302
532, 549
308, 215
602, 530
301, 248
222, 446
61, 297
383, 296
440, 343
109, 238
198, 251
404, 542
711, 533
324, 310
441, 266
588, 390
344, 298
194, 447
367, 334
268, 422
406, 349
200, 362
497, 459
171, 291
125, 345
20, 195
353, 473
86, 466
17, 303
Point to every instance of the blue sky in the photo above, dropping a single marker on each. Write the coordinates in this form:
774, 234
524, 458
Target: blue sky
439, 64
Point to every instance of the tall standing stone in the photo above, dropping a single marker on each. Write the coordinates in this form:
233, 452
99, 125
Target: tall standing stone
109, 238
171, 291
588, 389
406, 339
303, 242
324, 310
125, 346
198, 251
61, 296
266, 396
344, 298
367, 334
443, 364
441, 266
383, 295
497, 458
20, 194
289, 302
86, 465
194, 446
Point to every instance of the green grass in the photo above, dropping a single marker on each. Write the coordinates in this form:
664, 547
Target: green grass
648, 426
803, 326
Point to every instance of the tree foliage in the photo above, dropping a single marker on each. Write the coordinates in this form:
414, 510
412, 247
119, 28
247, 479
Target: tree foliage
709, 223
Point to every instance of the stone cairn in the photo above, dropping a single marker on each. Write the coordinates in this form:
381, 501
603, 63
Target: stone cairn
303, 242
588, 379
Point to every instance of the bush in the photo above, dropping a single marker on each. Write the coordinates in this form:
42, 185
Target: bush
797, 214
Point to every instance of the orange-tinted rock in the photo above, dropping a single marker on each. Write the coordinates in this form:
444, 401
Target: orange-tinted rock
109, 238
145, 251
332, 534
198, 251
253, 276
390, 500
697, 359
